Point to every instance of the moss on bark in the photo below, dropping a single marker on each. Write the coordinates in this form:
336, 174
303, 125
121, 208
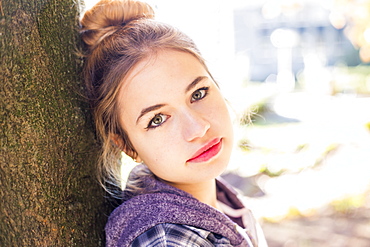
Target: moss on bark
48, 195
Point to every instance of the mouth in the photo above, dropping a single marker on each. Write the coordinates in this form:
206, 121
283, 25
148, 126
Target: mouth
207, 152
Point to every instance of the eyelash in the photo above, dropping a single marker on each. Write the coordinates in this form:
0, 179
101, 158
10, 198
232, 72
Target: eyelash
205, 89
150, 124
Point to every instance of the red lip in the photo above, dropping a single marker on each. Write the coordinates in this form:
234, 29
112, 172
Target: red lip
208, 151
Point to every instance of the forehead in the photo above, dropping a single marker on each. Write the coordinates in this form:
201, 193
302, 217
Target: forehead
165, 70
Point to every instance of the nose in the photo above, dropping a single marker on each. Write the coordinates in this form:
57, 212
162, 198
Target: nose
194, 125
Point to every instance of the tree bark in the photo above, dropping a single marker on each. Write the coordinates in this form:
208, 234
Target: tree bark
48, 192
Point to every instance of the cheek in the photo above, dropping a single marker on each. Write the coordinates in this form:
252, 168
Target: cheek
221, 121
220, 111
158, 146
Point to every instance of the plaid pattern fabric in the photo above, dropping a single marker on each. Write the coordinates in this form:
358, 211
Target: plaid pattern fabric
174, 235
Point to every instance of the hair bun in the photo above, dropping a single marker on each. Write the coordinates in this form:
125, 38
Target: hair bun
106, 16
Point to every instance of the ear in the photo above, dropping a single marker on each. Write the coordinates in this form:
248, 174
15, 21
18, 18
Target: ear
138, 159
118, 141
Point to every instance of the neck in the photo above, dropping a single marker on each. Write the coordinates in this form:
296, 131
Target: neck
205, 192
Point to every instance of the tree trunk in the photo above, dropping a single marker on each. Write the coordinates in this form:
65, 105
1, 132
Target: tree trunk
48, 192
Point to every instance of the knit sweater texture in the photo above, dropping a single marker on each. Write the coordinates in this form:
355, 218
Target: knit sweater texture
162, 203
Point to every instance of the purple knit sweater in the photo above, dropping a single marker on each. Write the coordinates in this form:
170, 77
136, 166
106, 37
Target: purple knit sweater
166, 204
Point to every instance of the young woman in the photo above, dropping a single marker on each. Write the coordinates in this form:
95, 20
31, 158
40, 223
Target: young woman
153, 98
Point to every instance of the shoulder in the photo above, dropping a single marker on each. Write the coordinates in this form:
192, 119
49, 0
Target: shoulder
168, 234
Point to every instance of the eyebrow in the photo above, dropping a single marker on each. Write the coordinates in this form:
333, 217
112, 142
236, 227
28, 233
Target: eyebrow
149, 109
158, 106
194, 83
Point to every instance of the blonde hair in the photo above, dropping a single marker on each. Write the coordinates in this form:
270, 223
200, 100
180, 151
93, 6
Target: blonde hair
118, 34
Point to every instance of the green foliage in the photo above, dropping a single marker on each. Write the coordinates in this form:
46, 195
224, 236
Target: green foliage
265, 170
347, 204
354, 79
254, 113
367, 125
244, 145
329, 150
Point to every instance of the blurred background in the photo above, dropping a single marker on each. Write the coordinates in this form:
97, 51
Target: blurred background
299, 70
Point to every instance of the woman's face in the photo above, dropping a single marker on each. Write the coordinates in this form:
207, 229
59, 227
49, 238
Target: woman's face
176, 118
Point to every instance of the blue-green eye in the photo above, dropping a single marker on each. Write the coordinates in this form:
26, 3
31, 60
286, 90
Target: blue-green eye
199, 94
157, 120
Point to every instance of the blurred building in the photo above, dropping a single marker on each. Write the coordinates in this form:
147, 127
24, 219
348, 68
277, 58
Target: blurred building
317, 41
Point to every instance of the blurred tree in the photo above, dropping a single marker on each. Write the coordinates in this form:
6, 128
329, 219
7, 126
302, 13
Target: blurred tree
354, 15
48, 192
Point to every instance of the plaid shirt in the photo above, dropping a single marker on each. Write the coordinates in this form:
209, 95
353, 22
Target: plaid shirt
168, 234
161, 215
